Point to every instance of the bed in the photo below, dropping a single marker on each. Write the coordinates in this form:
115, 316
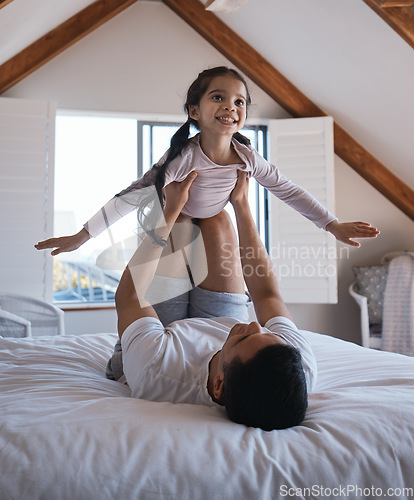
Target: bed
66, 432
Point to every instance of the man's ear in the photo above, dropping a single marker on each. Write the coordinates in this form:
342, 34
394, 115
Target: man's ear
193, 111
218, 388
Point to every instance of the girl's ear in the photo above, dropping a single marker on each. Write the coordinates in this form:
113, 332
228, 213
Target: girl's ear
193, 112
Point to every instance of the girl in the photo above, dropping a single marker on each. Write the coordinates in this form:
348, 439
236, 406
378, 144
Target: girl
216, 105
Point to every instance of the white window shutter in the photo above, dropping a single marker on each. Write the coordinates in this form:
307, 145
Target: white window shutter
27, 139
303, 255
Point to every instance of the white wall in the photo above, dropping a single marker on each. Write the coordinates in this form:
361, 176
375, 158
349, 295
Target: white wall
340, 54
98, 320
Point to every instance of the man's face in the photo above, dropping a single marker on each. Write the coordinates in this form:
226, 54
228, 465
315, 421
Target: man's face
245, 341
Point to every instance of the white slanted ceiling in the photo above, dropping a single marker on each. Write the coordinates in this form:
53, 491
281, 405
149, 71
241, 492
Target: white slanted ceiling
26, 195
304, 256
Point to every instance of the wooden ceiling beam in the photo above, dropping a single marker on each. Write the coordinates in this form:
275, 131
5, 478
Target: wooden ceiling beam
3, 3
263, 74
399, 15
57, 40
395, 3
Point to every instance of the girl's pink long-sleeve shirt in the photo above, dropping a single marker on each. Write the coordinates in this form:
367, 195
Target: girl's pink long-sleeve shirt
212, 187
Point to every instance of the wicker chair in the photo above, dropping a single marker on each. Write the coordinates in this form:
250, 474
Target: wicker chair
22, 316
14, 326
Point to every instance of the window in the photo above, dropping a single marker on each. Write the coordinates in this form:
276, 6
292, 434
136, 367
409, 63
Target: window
156, 140
96, 157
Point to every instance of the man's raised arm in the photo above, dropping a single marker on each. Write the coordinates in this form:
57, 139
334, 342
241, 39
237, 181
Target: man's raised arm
139, 273
258, 270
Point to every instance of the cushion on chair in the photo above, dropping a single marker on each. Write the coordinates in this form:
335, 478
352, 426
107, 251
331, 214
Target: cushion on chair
371, 282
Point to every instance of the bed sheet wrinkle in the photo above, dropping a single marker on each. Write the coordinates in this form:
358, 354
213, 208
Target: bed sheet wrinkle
58, 385
267, 462
175, 457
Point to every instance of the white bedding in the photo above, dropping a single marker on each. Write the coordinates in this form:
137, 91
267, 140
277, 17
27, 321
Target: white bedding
68, 433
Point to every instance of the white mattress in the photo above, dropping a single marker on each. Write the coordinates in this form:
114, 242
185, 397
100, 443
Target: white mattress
68, 433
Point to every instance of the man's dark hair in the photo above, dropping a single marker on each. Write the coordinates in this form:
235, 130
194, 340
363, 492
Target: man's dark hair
268, 391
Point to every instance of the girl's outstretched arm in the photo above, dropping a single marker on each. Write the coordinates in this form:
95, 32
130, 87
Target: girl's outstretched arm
344, 231
64, 243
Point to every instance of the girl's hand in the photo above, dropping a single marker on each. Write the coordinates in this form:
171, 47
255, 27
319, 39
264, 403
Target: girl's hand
176, 194
240, 191
344, 231
64, 243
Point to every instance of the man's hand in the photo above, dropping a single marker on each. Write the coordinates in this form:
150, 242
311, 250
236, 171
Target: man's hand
344, 231
240, 193
130, 296
64, 243
176, 194
260, 278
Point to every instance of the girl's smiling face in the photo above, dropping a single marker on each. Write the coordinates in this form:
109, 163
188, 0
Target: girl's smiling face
222, 108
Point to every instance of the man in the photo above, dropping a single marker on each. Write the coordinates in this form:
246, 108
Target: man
259, 371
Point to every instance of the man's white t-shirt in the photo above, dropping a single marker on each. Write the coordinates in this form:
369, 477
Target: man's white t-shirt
172, 363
